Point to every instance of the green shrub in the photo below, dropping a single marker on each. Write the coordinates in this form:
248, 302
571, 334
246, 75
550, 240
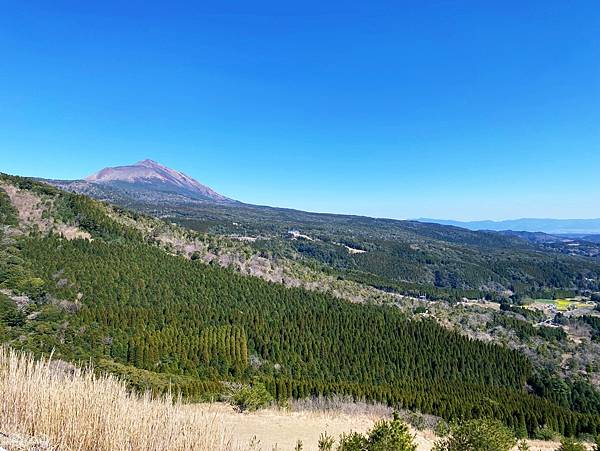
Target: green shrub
250, 398
384, 436
32, 287
391, 436
9, 313
442, 429
569, 444
523, 446
352, 442
326, 442
544, 433
8, 214
480, 435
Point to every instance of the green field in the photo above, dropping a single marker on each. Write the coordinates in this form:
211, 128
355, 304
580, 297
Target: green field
563, 304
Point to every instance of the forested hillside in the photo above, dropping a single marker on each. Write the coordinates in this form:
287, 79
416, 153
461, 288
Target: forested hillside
408, 257
109, 294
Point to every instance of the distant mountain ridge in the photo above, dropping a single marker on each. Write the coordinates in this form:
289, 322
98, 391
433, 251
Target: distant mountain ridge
551, 226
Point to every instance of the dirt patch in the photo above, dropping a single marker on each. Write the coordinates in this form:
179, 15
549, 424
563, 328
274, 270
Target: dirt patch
247, 239
296, 234
71, 232
352, 250
481, 304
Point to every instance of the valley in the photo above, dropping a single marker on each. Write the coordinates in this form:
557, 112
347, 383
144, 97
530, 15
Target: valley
165, 307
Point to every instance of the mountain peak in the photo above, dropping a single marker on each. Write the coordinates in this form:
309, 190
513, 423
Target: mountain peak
149, 175
150, 163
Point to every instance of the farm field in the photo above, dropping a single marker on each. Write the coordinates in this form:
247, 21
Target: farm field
562, 304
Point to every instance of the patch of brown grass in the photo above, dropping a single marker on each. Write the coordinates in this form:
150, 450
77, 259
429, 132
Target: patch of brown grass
77, 410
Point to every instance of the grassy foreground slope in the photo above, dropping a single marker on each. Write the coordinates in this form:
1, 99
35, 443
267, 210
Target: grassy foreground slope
162, 320
74, 409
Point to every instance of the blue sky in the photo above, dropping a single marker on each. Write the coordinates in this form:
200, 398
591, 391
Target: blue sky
448, 109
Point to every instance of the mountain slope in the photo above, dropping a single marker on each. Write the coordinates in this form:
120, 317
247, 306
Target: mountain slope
145, 180
164, 321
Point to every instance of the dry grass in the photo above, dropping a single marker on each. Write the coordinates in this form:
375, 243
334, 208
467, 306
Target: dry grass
46, 405
340, 404
276, 429
76, 410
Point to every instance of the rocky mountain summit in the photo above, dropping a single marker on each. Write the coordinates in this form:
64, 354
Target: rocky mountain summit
145, 181
152, 175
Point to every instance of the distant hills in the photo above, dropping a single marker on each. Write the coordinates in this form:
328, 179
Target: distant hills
578, 227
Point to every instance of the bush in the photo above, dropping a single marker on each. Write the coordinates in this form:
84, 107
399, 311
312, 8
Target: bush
326, 442
9, 313
442, 429
544, 433
569, 444
31, 286
480, 435
249, 398
352, 442
391, 436
384, 436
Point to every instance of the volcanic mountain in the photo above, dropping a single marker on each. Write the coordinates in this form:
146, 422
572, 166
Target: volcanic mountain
146, 181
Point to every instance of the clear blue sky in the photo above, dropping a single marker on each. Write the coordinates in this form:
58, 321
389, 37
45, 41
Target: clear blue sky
448, 109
